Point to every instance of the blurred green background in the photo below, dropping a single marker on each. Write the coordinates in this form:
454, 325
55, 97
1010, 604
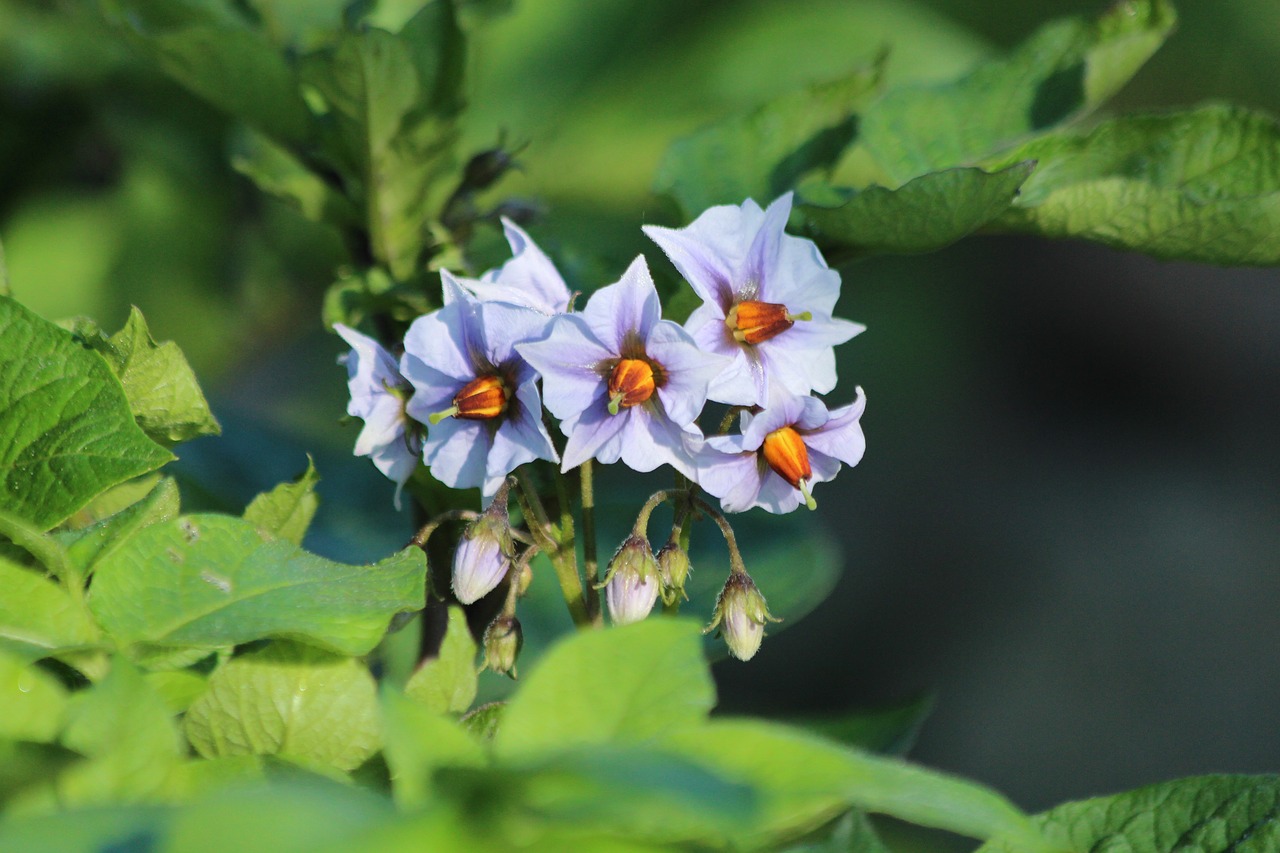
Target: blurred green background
1067, 524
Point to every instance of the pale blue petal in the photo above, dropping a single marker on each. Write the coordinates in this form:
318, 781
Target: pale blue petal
728, 473
625, 311
762, 257
439, 342
504, 327
454, 288
819, 333
521, 438
651, 440
569, 360
841, 436
594, 434
776, 494
528, 279
689, 371
456, 450
712, 248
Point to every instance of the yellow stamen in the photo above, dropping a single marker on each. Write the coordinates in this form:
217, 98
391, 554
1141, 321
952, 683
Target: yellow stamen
630, 383
786, 454
481, 399
752, 322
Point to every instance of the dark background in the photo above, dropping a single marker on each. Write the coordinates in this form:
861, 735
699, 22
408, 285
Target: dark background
1067, 524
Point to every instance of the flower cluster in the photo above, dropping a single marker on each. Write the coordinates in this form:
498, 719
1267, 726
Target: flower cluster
623, 384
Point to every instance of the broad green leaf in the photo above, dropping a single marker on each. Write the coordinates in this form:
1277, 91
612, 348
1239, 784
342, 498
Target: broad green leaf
162, 390
924, 214
290, 700
129, 737
392, 132
1062, 72
110, 502
120, 829
1205, 814
208, 581
66, 432
1201, 185
447, 682
230, 66
86, 546
889, 730
33, 701
852, 833
286, 511
27, 772
627, 791
278, 172
38, 618
31, 543
4, 274
178, 688
624, 685
419, 741
483, 721
300, 23
764, 153
804, 781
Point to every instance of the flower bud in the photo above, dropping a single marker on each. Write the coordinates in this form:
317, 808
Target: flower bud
632, 582
483, 555
523, 578
502, 641
740, 614
673, 568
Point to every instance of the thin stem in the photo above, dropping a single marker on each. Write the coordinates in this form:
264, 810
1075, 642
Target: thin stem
563, 560
424, 533
726, 423
590, 552
657, 498
736, 566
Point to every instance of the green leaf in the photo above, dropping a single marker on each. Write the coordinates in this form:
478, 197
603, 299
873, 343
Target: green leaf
162, 390
387, 135
764, 153
33, 700
924, 214
290, 700
66, 432
278, 172
805, 781
4, 274
286, 511
447, 682
852, 833
1063, 71
890, 730
178, 688
1205, 814
232, 67
1201, 185
419, 741
129, 737
654, 677
483, 721
122, 829
38, 618
208, 581
86, 546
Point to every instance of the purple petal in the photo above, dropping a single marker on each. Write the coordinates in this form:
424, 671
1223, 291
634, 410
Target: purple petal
456, 450
595, 434
821, 332
841, 437
689, 371
801, 279
528, 279
796, 371
762, 257
370, 371
454, 289
383, 424
743, 382
784, 410
626, 310
504, 327
568, 359
521, 438
441, 342
729, 474
776, 494
651, 440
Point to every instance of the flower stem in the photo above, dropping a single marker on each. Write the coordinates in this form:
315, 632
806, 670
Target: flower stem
655, 500
590, 554
561, 553
736, 566
424, 533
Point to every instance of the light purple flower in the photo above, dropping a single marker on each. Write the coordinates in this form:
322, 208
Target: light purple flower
477, 395
484, 552
378, 395
633, 582
781, 453
624, 383
528, 279
767, 301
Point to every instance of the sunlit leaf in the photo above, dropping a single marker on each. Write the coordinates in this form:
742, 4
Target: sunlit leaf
209, 581
447, 682
418, 742
39, 618
286, 511
33, 701
66, 432
289, 700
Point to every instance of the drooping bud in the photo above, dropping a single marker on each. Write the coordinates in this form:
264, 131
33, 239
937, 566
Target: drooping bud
502, 642
752, 322
633, 582
484, 552
740, 614
524, 578
673, 568
787, 455
630, 383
